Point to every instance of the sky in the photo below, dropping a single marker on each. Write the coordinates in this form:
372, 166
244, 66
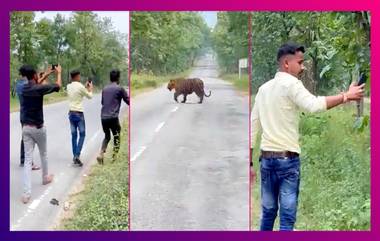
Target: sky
120, 20
210, 18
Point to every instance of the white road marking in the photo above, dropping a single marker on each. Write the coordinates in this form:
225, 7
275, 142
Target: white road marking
175, 109
142, 149
158, 128
93, 138
35, 204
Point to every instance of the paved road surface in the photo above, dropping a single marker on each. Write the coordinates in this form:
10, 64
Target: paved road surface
189, 162
39, 214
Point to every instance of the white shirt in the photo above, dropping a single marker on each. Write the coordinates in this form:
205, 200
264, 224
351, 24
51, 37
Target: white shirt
276, 112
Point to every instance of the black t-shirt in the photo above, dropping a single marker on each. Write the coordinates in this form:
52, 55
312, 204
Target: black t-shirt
112, 95
33, 98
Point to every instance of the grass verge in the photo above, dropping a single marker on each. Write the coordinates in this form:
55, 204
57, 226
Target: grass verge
145, 82
335, 173
241, 84
103, 204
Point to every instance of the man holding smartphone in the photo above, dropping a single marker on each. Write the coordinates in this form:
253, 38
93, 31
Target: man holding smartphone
33, 129
276, 113
76, 91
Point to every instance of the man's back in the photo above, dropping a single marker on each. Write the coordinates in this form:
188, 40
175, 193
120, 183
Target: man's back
112, 95
76, 91
277, 108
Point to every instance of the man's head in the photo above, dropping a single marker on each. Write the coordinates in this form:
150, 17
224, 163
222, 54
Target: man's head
290, 58
115, 76
75, 75
30, 73
21, 70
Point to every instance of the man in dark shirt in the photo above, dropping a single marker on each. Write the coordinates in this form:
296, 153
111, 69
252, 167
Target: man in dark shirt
19, 87
112, 95
33, 130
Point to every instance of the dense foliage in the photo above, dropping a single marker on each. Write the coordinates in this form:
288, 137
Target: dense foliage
230, 40
83, 41
166, 42
337, 46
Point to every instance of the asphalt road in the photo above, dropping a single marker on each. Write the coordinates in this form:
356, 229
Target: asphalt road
190, 162
39, 214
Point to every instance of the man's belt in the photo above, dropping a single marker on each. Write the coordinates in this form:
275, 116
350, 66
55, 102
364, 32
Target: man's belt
34, 126
278, 154
76, 112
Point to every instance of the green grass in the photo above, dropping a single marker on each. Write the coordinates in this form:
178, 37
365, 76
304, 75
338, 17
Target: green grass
104, 204
335, 173
241, 84
144, 82
48, 99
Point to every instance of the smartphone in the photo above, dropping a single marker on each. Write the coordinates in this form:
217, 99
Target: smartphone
53, 66
362, 79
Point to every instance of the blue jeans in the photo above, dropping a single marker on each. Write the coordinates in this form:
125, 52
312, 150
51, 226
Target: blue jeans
280, 180
77, 124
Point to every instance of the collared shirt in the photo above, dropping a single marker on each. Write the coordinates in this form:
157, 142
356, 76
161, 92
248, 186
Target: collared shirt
112, 95
19, 86
76, 91
32, 105
276, 112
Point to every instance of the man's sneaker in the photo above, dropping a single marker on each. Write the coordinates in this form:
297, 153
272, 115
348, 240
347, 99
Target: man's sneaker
47, 179
77, 162
35, 167
25, 199
100, 159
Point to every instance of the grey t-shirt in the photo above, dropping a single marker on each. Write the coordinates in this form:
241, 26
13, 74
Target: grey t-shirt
112, 95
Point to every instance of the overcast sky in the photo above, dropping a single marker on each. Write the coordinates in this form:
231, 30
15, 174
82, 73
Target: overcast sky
120, 20
210, 18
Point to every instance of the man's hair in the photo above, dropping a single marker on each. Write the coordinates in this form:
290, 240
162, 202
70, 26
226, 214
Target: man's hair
74, 73
289, 49
29, 71
21, 70
114, 75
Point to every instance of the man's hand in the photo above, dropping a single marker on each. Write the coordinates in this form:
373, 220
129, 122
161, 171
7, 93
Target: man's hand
252, 170
89, 86
355, 92
58, 70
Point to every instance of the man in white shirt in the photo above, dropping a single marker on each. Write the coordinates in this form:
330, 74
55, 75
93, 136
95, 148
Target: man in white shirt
76, 91
276, 113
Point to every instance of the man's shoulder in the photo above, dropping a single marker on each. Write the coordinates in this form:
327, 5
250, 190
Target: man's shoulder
266, 86
75, 85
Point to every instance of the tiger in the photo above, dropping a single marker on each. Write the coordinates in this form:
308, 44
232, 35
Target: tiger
186, 87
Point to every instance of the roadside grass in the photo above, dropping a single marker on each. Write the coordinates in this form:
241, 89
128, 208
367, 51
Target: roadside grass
144, 82
103, 203
241, 84
335, 173
48, 99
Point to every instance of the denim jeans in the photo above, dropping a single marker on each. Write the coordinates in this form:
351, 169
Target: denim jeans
77, 124
280, 180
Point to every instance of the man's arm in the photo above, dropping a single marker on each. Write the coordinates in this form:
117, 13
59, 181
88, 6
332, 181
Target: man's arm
355, 92
58, 70
124, 95
87, 91
255, 129
308, 102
